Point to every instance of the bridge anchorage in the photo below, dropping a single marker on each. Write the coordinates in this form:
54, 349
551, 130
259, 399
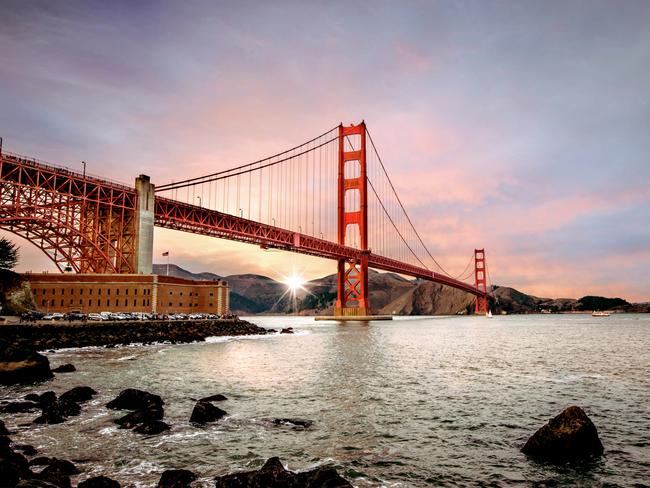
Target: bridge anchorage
330, 197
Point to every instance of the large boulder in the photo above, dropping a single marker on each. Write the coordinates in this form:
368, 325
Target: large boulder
20, 363
133, 399
176, 478
3, 428
205, 412
99, 482
569, 436
274, 475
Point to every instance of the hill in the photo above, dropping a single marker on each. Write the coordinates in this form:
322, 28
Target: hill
389, 294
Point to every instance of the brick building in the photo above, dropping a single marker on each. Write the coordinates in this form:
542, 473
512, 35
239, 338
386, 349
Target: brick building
126, 293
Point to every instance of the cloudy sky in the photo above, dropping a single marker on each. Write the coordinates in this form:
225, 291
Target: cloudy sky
523, 127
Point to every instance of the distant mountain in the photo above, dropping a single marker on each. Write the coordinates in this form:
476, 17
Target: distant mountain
178, 272
389, 294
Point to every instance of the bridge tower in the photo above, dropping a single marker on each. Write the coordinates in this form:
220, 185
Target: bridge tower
480, 281
352, 285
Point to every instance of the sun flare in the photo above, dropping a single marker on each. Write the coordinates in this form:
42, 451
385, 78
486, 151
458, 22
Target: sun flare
294, 282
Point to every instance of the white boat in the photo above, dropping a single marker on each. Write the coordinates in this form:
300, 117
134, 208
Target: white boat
600, 314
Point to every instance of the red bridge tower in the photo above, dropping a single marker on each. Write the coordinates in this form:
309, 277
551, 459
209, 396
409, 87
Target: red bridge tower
352, 286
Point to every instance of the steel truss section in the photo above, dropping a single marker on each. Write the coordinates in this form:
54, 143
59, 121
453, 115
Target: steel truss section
82, 223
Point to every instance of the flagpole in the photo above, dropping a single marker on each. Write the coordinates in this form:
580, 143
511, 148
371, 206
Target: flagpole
167, 263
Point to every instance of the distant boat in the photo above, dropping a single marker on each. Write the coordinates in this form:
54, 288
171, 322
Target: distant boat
600, 314
489, 314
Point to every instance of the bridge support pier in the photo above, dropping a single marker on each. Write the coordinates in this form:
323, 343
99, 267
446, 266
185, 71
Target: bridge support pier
352, 298
144, 220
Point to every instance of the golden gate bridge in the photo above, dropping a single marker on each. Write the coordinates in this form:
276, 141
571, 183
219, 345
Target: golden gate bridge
329, 197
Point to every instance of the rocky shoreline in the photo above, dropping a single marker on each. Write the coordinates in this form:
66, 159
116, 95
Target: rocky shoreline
59, 335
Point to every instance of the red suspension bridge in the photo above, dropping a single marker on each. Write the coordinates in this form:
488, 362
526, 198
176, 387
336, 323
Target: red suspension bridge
330, 197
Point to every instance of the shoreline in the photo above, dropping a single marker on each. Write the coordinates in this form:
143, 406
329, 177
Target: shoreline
58, 335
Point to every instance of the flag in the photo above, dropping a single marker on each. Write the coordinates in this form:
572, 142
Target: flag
166, 253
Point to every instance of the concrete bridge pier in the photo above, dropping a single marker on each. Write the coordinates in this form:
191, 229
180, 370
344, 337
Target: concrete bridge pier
144, 219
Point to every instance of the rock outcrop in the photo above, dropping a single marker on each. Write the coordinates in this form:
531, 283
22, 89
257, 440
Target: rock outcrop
20, 363
147, 414
274, 475
569, 436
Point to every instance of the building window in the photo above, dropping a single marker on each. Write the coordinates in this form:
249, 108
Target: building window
62, 291
126, 291
143, 302
43, 302
181, 293
90, 292
134, 302
117, 302
108, 302
171, 293
99, 302
90, 302
81, 291
80, 302
211, 294
135, 292
211, 305
62, 302
108, 292
53, 291
170, 304
117, 292
99, 292
71, 301
52, 302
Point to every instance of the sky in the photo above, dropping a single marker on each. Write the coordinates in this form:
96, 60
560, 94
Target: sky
522, 127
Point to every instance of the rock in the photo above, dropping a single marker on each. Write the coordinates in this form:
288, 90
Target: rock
287, 330
63, 465
298, 424
176, 478
569, 436
33, 397
214, 398
151, 427
3, 428
57, 411
20, 406
65, 368
13, 466
78, 394
205, 412
273, 475
26, 449
20, 363
4, 441
55, 475
35, 483
132, 419
47, 398
99, 482
132, 399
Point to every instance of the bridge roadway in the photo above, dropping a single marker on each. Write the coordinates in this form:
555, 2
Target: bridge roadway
172, 214
21, 179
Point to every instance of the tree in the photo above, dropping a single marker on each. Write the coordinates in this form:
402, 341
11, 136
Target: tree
8, 254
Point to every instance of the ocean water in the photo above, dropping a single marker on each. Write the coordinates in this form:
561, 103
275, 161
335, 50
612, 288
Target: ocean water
428, 401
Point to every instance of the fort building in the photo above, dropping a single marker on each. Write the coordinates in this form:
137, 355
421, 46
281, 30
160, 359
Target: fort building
94, 293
